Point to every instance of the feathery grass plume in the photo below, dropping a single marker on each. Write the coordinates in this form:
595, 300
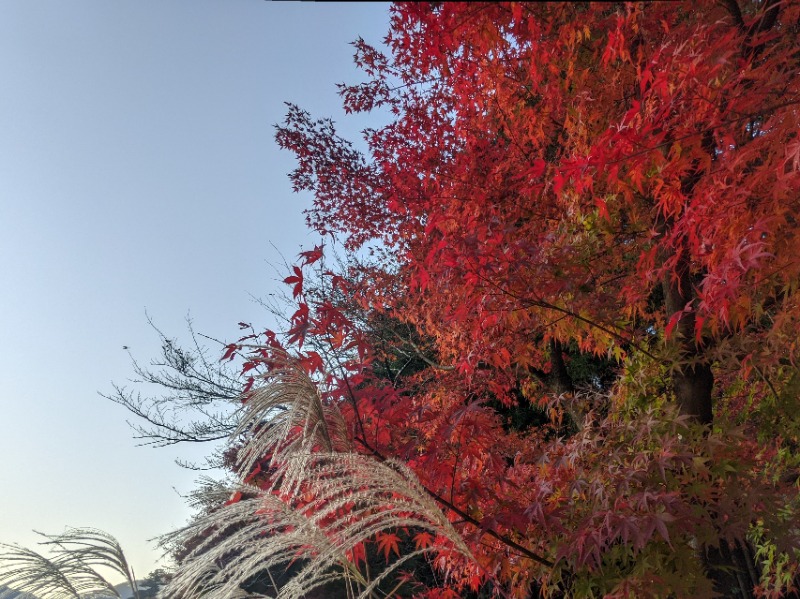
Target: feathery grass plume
357, 496
354, 497
64, 576
285, 415
27, 571
325, 501
209, 494
85, 549
241, 540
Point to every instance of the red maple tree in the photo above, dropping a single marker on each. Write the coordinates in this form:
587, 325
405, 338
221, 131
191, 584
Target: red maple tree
571, 300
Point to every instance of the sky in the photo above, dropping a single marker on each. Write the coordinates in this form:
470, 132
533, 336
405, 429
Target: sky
139, 174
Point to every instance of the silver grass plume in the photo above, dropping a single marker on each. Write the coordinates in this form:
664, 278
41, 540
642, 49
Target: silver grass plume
241, 540
210, 494
288, 400
347, 499
27, 571
354, 497
71, 572
90, 548
358, 496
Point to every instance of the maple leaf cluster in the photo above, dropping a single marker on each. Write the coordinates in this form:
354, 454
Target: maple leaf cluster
569, 303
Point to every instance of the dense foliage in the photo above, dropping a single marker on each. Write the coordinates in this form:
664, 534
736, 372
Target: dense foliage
561, 354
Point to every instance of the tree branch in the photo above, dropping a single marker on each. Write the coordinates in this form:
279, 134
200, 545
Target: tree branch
736, 13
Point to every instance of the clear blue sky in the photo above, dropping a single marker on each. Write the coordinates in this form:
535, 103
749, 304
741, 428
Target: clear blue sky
138, 172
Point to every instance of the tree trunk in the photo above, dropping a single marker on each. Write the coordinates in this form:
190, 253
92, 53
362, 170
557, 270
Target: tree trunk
693, 380
730, 568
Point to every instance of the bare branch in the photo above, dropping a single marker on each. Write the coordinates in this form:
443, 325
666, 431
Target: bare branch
198, 397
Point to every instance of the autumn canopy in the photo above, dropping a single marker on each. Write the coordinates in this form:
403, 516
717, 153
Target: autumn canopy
552, 331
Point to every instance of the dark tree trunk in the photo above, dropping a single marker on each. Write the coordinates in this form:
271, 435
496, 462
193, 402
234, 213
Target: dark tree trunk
693, 380
730, 567
560, 381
